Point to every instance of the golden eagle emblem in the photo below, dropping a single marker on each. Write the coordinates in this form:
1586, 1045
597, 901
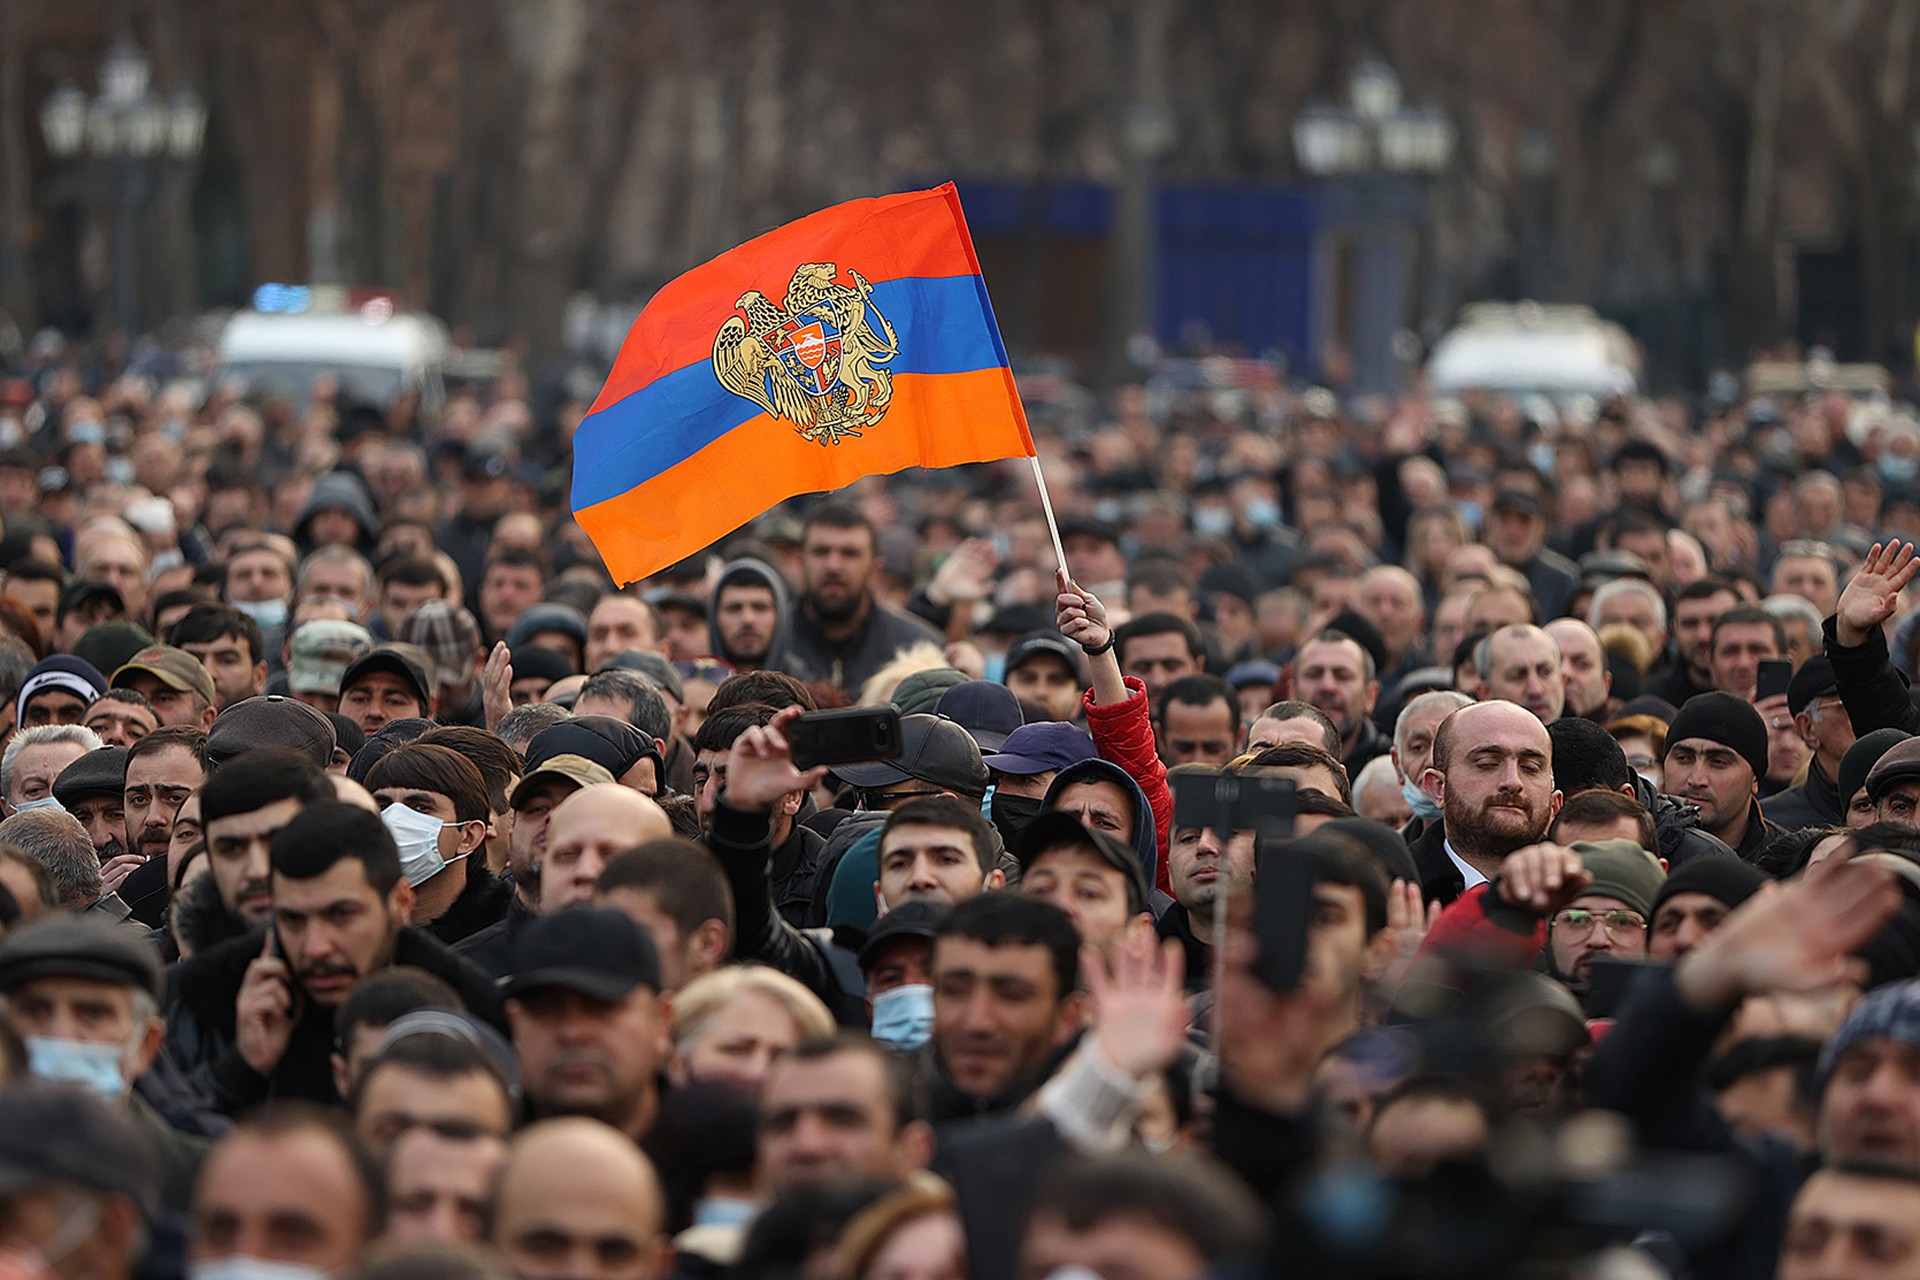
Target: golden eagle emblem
818, 359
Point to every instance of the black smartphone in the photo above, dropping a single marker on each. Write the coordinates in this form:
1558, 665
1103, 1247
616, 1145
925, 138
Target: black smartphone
1263, 803
1229, 802
845, 736
1609, 981
1282, 913
1775, 675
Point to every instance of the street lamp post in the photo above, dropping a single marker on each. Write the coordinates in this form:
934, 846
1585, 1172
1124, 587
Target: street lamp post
127, 131
1377, 146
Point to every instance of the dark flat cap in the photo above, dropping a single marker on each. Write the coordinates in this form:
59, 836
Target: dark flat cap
99, 772
64, 945
272, 721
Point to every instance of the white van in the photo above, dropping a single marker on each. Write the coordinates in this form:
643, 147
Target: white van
375, 352
1530, 347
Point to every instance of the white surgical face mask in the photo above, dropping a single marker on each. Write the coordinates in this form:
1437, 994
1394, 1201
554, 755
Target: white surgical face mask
270, 614
44, 802
418, 835
1423, 805
239, 1266
97, 1068
903, 1017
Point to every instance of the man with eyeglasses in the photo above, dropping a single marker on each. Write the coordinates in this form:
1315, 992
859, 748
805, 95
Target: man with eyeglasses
1579, 903
1820, 718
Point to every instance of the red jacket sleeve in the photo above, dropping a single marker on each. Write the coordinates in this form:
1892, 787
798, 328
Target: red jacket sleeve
1478, 925
1124, 734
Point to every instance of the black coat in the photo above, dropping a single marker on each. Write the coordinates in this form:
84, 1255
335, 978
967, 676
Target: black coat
200, 1011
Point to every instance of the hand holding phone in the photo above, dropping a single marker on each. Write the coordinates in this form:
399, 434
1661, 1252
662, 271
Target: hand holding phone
1775, 675
846, 736
266, 1008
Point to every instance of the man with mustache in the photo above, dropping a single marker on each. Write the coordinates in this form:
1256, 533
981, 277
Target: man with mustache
1715, 756
840, 631
1492, 776
253, 1017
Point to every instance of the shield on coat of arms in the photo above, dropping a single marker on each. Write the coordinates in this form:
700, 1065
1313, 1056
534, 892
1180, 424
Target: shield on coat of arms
809, 347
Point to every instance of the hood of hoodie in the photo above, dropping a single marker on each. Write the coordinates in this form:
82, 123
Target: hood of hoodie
1146, 844
760, 573
339, 491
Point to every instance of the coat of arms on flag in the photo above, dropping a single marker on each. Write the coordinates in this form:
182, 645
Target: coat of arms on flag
818, 359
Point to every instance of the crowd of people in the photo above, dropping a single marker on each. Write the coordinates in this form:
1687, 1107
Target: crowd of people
1407, 838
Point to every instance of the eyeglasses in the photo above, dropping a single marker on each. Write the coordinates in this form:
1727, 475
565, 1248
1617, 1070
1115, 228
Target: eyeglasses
1618, 923
874, 801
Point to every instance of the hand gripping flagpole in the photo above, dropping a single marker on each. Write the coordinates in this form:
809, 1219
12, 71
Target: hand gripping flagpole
1046, 504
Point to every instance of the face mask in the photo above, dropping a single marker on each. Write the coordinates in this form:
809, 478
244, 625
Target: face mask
724, 1211
1212, 522
903, 1017
270, 614
1263, 513
1013, 815
94, 1067
1540, 454
1470, 512
996, 671
44, 802
418, 835
168, 559
1898, 470
41, 1259
1420, 802
119, 470
239, 1266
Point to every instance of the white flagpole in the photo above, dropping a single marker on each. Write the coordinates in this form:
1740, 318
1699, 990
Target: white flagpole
1046, 504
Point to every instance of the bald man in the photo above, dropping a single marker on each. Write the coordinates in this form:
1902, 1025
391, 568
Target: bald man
1583, 666
1521, 664
1390, 598
1492, 776
584, 831
577, 1201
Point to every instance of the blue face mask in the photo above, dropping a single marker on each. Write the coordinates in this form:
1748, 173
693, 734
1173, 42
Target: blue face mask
1263, 513
1540, 454
1212, 522
238, 1266
94, 1067
270, 614
44, 802
903, 1017
1420, 802
1470, 512
996, 669
1898, 470
724, 1211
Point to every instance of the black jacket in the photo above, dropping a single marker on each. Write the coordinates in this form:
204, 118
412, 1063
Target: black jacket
1874, 694
742, 841
200, 1014
850, 664
1813, 803
482, 902
1650, 1068
1370, 743
1440, 879
947, 1103
491, 949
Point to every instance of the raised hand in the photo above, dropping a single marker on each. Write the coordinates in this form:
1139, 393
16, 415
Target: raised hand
1079, 614
265, 1010
1873, 593
760, 766
1409, 917
496, 685
1543, 878
1797, 936
965, 575
1139, 1005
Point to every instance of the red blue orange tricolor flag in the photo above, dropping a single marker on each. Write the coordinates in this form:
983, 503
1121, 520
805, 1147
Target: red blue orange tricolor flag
857, 341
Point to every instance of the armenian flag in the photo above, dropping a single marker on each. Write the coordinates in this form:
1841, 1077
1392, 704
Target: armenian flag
857, 341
